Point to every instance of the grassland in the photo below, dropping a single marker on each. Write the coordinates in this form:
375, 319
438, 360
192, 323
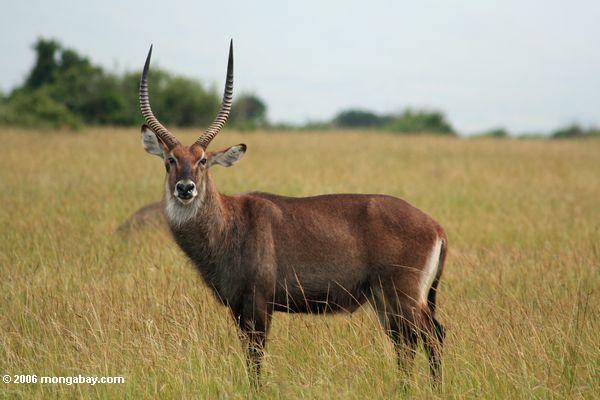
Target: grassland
520, 294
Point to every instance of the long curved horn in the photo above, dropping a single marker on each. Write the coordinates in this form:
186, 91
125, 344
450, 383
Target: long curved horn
162, 132
219, 122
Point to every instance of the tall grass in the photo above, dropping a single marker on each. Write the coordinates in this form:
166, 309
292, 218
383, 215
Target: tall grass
519, 296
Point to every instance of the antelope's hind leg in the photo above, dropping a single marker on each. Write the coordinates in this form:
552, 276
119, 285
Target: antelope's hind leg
400, 326
433, 334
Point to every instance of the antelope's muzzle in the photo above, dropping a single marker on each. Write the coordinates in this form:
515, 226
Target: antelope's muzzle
185, 190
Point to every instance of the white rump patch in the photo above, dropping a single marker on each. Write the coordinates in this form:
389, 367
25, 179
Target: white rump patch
430, 271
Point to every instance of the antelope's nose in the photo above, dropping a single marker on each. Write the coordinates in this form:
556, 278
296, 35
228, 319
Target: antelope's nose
186, 189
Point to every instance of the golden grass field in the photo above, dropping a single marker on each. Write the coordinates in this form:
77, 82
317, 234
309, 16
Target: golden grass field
519, 296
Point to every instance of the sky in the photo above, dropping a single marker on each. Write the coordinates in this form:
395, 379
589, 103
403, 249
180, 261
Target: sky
527, 66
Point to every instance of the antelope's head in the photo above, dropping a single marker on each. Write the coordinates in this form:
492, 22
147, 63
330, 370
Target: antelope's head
187, 166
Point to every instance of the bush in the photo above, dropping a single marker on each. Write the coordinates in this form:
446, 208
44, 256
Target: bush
184, 102
66, 89
572, 131
420, 121
36, 109
357, 119
575, 131
248, 112
495, 133
408, 121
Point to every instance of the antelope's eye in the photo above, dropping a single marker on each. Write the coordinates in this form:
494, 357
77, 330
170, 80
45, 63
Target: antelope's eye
203, 161
171, 161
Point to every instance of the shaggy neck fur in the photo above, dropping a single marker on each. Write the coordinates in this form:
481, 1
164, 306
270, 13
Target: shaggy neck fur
179, 214
201, 227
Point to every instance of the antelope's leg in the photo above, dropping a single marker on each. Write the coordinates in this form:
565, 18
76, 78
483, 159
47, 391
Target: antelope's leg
433, 334
253, 318
403, 333
397, 319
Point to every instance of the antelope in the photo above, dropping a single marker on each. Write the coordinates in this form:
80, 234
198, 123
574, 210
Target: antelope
261, 252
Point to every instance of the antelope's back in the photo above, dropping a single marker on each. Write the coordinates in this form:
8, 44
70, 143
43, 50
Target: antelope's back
346, 240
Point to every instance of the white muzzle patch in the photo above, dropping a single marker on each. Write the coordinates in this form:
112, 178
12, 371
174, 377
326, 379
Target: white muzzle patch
182, 210
185, 191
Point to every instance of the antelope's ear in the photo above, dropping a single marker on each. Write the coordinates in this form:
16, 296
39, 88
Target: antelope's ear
152, 143
227, 157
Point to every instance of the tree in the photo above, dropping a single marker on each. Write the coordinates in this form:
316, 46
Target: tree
248, 111
355, 118
66, 88
575, 131
571, 131
36, 109
45, 66
495, 133
419, 121
186, 102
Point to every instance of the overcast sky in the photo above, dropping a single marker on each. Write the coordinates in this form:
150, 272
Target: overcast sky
524, 65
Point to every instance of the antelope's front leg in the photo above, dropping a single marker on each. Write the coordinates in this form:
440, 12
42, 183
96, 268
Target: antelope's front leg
253, 318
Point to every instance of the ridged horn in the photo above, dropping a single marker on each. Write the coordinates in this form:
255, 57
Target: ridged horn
219, 122
162, 132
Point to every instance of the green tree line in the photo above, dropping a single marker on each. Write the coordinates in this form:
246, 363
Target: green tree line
65, 89
431, 121
407, 121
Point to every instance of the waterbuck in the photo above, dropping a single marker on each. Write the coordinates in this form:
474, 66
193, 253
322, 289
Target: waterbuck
262, 252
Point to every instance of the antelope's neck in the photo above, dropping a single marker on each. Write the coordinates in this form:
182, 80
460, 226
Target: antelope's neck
200, 228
